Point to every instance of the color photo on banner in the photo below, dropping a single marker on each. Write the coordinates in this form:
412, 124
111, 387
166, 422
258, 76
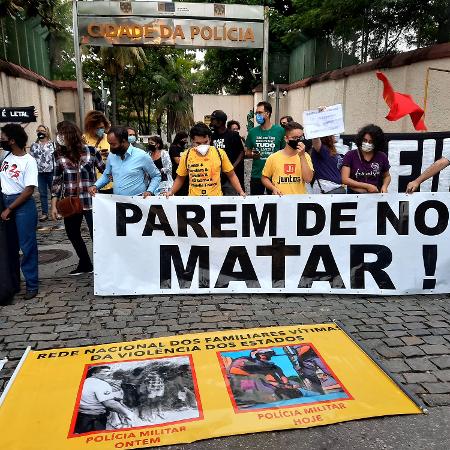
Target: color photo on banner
276, 377
132, 394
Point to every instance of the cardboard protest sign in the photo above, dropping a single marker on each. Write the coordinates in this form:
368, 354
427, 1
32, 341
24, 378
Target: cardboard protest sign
179, 389
344, 244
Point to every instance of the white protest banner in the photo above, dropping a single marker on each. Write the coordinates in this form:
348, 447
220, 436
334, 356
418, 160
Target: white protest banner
343, 244
326, 122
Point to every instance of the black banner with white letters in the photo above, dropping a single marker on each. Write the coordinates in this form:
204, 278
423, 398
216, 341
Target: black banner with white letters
410, 154
18, 114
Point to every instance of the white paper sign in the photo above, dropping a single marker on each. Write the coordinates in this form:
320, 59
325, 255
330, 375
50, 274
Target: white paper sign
323, 123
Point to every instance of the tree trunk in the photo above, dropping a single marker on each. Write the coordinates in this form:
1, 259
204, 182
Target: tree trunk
114, 99
158, 126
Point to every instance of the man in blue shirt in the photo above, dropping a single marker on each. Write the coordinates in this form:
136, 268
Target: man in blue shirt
128, 167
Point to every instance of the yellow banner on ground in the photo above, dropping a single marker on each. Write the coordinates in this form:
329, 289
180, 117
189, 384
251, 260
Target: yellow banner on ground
185, 388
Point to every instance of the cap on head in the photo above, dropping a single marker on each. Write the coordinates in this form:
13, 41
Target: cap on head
219, 115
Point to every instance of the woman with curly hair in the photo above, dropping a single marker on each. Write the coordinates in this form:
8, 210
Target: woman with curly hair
74, 173
96, 127
366, 169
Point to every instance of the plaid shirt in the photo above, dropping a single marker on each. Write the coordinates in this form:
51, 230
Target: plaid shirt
65, 175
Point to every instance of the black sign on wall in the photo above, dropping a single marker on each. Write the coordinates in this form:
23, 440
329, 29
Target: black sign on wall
18, 114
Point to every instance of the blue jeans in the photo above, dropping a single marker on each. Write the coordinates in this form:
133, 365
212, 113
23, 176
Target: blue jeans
44, 185
21, 234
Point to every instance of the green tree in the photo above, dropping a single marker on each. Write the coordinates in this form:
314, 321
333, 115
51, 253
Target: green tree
175, 84
114, 61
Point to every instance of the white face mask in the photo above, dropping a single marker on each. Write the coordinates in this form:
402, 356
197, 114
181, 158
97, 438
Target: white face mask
366, 147
202, 149
60, 140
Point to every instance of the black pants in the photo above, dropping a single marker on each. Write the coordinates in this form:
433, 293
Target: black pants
89, 422
256, 187
73, 230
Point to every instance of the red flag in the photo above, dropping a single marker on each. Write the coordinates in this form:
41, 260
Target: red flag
401, 104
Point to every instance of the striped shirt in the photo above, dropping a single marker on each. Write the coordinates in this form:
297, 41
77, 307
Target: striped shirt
65, 175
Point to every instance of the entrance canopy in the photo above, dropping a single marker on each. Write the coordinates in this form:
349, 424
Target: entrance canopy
181, 25
185, 25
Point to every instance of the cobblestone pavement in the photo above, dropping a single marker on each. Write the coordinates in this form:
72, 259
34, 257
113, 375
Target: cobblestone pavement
409, 334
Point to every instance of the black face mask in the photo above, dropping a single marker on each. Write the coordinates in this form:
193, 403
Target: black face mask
152, 147
293, 143
40, 135
118, 151
5, 146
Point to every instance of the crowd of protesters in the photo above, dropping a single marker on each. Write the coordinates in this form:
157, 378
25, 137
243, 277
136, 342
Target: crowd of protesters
204, 161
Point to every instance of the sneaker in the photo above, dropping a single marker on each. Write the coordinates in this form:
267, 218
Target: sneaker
43, 218
30, 294
80, 271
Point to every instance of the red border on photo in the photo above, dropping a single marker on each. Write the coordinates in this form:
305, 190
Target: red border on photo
163, 424
238, 410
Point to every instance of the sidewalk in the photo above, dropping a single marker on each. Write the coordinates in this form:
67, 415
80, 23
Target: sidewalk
409, 334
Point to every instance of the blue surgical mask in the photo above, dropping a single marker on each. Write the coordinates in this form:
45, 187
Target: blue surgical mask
260, 119
131, 139
100, 132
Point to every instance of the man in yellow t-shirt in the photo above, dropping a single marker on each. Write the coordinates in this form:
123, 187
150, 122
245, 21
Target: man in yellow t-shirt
287, 171
203, 164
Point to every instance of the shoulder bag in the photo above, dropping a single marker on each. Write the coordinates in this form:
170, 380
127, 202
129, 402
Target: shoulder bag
69, 206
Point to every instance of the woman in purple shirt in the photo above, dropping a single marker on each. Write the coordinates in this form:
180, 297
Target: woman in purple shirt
366, 169
327, 164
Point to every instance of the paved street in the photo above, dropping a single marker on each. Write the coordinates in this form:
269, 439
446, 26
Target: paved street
409, 334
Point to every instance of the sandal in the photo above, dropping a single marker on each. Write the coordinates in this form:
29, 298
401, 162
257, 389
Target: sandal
43, 218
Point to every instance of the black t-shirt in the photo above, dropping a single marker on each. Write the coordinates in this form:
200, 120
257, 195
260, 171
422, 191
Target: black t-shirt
158, 163
231, 143
175, 152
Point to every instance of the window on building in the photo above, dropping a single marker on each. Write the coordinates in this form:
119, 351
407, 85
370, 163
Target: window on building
70, 116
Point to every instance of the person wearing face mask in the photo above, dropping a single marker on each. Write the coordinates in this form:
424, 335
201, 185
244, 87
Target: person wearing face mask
178, 146
366, 169
133, 138
43, 152
162, 162
231, 143
129, 166
203, 164
327, 166
96, 126
261, 142
75, 165
287, 171
18, 178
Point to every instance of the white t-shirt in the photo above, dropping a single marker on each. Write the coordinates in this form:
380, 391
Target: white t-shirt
18, 172
95, 391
